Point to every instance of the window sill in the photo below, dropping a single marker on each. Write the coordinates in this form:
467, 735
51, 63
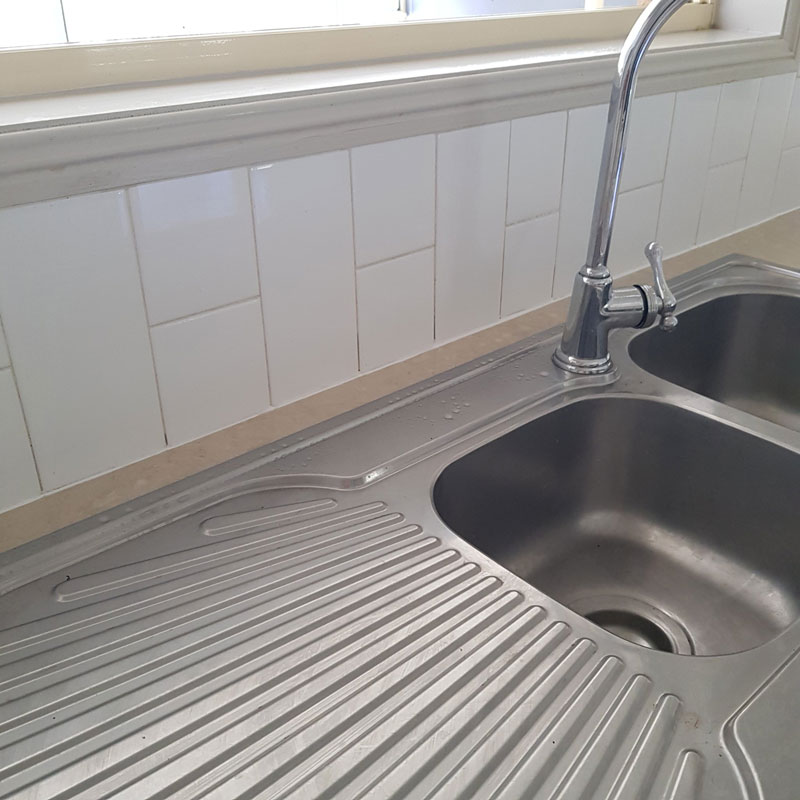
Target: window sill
53, 146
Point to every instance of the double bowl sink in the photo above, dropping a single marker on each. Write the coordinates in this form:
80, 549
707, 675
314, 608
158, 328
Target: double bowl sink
666, 509
494, 584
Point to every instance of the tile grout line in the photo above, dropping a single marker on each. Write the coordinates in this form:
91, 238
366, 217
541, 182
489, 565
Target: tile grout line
783, 147
739, 190
666, 159
129, 210
708, 166
560, 202
644, 263
435, 226
260, 295
13, 373
64, 20
212, 310
505, 222
795, 88
388, 260
729, 162
737, 221
711, 164
743, 162
659, 182
788, 150
542, 215
666, 163
359, 367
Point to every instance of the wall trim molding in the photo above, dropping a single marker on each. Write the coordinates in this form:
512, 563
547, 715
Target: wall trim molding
70, 144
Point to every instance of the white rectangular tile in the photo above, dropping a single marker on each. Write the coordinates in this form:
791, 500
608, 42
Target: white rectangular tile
5, 359
585, 131
18, 480
787, 187
305, 253
648, 140
31, 22
528, 263
471, 187
687, 166
212, 370
195, 241
536, 164
395, 309
721, 201
737, 110
761, 170
792, 138
74, 318
634, 227
393, 197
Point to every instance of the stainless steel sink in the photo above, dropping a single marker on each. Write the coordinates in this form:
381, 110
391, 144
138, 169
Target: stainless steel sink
740, 350
661, 525
302, 623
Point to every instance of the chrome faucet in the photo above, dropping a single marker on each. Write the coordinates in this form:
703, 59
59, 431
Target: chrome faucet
596, 307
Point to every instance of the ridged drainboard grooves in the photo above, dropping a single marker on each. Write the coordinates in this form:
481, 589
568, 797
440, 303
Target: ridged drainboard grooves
320, 652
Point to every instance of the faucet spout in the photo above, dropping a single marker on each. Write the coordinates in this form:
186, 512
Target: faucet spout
622, 90
593, 308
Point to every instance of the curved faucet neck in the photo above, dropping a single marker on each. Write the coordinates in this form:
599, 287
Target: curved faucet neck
638, 40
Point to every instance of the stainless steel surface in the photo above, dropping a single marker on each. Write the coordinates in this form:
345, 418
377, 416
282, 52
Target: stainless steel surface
667, 305
596, 307
618, 498
301, 623
740, 350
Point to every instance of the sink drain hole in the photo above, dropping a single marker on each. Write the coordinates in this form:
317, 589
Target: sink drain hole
635, 620
633, 627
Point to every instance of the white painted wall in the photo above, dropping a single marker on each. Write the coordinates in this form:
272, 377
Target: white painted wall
139, 319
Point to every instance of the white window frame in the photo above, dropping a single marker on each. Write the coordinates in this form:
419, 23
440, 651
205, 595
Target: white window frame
84, 118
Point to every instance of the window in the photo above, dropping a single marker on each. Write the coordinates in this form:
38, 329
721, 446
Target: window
457, 9
43, 22
49, 22
49, 46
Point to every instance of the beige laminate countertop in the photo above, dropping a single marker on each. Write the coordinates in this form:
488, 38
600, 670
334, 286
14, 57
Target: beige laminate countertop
777, 240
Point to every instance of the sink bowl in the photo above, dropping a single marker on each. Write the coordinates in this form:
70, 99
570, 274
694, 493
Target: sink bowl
663, 526
740, 350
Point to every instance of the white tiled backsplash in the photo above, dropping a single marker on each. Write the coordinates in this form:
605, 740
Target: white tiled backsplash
139, 319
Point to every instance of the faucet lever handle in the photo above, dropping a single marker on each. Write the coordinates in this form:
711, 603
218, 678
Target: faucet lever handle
655, 254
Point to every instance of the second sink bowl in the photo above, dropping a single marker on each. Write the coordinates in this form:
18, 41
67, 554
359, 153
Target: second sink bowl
740, 350
663, 526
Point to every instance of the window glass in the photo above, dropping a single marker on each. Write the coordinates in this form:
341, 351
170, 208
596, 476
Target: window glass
44, 22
